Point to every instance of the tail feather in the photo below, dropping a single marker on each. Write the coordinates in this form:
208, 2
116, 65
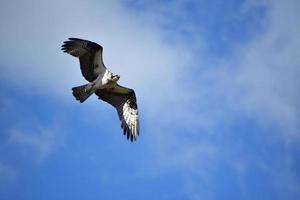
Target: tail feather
80, 93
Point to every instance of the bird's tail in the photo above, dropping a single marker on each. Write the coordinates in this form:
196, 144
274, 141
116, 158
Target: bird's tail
81, 93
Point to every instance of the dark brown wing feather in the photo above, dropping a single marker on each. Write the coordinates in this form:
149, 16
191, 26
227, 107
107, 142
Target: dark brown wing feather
89, 54
124, 100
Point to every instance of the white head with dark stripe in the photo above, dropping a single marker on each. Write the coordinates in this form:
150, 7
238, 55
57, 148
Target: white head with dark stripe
113, 77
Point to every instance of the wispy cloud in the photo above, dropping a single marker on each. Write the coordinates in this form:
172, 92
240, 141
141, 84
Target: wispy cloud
39, 143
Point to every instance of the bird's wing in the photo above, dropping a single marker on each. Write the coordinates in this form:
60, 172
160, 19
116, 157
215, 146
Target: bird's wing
89, 54
124, 100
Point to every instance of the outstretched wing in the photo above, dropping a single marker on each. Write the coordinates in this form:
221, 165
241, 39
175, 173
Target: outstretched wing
124, 100
89, 54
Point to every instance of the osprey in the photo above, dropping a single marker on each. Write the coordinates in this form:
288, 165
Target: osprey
104, 84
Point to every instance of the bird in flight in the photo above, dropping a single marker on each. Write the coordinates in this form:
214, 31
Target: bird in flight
104, 84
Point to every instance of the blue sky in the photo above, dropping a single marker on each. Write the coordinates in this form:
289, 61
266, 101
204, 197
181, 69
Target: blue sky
217, 86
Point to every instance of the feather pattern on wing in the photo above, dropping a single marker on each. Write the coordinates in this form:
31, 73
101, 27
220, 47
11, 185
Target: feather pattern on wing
89, 54
124, 100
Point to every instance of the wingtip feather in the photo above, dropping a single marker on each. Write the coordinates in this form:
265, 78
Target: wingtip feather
75, 39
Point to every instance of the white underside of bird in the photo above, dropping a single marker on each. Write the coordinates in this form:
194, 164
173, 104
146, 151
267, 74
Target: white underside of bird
106, 80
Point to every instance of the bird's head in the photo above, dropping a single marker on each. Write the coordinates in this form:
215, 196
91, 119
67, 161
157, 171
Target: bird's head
115, 77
